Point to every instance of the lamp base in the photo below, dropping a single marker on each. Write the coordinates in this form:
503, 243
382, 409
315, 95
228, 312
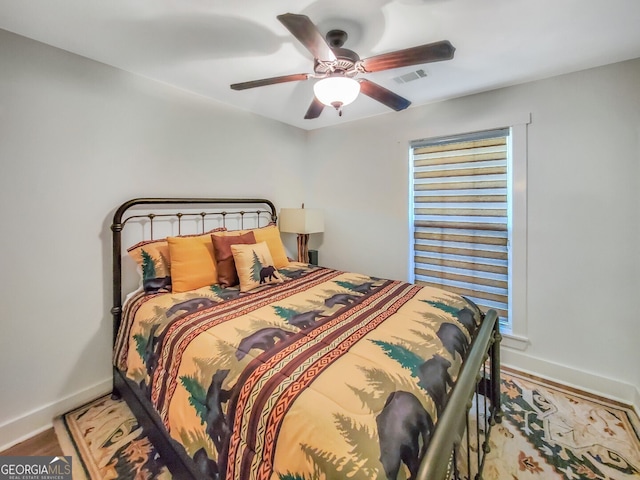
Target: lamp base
303, 247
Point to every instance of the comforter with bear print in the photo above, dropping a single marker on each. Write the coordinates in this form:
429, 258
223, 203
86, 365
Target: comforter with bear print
329, 374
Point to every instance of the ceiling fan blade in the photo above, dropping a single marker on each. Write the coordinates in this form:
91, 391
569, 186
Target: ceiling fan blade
432, 52
381, 94
315, 109
307, 33
270, 81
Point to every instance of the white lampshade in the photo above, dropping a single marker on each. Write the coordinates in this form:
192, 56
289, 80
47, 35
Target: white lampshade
301, 220
336, 91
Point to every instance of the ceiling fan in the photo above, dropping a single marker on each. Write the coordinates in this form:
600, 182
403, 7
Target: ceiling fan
338, 67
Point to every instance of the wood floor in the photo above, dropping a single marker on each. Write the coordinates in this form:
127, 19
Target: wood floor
44, 444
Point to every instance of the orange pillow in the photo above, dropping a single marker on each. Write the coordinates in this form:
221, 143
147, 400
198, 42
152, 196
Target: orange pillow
154, 260
226, 267
193, 264
271, 235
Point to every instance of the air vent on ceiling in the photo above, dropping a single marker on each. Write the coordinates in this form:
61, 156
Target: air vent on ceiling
410, 77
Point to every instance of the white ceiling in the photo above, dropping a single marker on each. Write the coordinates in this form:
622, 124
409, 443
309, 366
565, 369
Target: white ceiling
205, 45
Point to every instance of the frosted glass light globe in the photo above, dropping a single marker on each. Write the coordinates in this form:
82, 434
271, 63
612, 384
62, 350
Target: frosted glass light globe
336, 91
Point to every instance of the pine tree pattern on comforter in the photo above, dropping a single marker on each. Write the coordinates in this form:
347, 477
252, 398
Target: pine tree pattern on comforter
329, 374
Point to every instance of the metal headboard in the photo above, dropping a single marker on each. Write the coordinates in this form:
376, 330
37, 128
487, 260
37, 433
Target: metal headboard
216, 207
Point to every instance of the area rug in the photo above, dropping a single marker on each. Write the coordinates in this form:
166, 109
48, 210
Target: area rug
552, 432
548, 432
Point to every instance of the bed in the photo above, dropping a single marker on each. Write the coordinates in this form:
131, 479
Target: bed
273, 369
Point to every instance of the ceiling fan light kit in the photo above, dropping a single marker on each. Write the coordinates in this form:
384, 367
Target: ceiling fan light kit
336, 67
336, 91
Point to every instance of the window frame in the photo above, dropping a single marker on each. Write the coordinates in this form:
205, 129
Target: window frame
515, 332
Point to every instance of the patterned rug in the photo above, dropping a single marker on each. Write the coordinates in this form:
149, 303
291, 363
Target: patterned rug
551, 432
548, 432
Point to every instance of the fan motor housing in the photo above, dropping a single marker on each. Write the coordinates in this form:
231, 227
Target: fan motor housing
346, 59
336, 38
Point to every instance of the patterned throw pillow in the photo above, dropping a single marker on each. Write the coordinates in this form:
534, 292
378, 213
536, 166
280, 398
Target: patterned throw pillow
271, 235
254, 265
222, 242
154, 259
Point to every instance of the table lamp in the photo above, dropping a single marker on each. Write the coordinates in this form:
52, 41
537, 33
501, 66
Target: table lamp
302, 221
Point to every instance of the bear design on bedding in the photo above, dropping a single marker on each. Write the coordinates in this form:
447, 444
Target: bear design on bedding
396, 387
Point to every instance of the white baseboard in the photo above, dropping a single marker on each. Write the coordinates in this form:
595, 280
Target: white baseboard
616, 390
19, 429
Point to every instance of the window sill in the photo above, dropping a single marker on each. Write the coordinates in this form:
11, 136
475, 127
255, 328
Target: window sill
516, 342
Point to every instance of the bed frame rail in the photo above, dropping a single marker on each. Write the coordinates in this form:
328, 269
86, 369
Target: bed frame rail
462, 434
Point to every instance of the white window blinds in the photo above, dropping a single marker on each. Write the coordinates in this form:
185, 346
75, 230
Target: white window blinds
460, 217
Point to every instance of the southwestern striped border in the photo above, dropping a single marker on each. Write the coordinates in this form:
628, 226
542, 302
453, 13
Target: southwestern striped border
268, 393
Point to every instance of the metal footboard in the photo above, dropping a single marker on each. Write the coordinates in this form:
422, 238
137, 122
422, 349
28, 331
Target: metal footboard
462, 434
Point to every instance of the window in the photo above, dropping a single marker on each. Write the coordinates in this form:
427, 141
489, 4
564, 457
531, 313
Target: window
462, 219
